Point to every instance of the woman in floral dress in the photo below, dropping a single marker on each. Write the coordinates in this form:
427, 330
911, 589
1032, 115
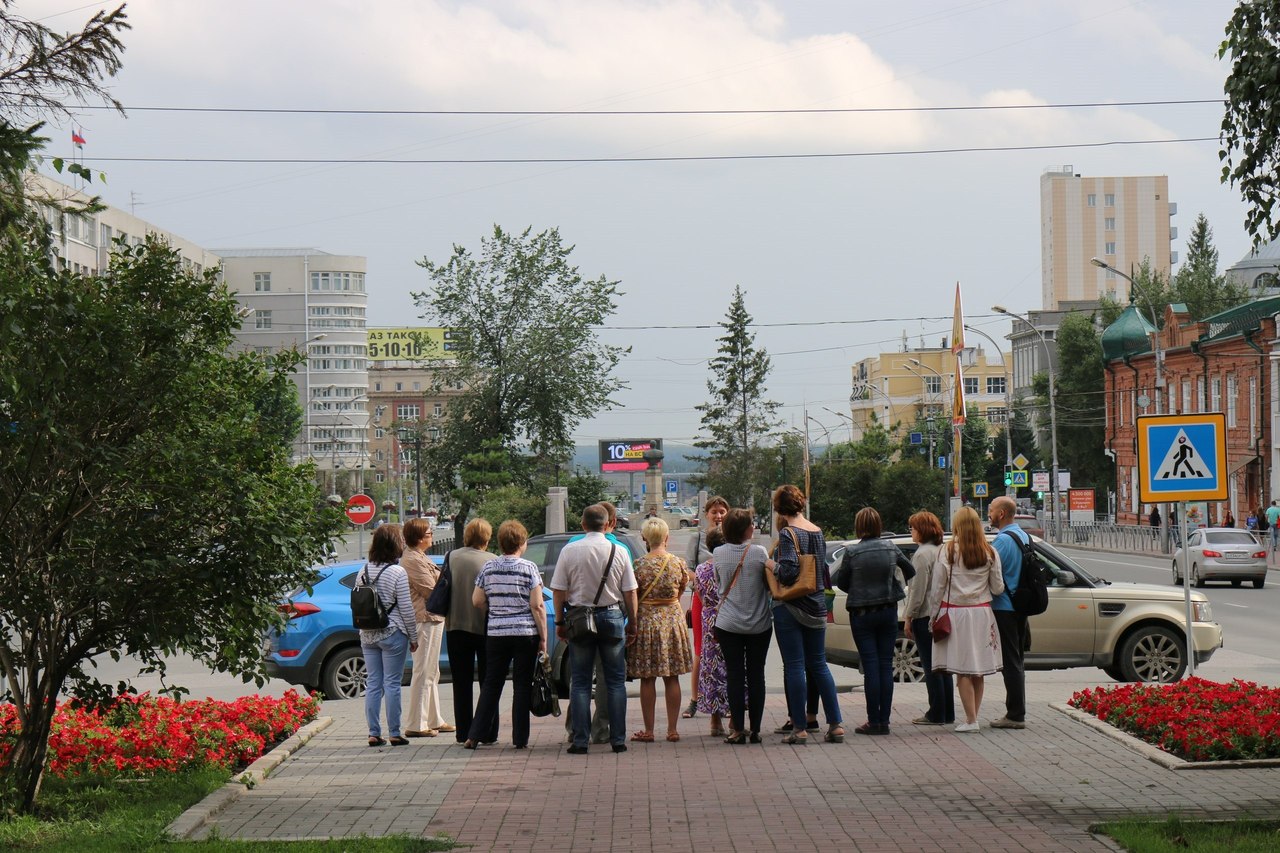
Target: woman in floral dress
713, 698
661, 649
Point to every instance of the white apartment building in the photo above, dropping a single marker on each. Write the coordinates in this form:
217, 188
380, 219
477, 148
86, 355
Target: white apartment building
314, 301
1120, 220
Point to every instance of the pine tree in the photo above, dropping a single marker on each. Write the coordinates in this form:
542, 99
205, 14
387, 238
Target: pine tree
1198, 283
738, 416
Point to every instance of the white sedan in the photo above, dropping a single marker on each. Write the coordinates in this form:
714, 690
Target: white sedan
1223, 554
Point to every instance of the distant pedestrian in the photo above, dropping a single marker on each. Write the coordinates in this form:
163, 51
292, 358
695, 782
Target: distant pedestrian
926, 532
1229, 521
967, 576
868, 575
1155, 521
1273, 524
386, 648
509, 588
661, 649
744, 623
464, 628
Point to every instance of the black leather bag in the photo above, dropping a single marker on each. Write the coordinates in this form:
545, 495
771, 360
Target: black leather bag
543, 701
580, 619
438, 601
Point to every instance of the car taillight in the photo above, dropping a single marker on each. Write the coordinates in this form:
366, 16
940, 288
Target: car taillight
295, 610
1210, 553
1260, 555
289, 653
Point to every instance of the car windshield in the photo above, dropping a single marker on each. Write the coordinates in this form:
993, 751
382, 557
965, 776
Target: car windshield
1066, 562
1229, 537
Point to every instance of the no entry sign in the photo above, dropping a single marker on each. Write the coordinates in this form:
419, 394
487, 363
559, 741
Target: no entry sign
360, 509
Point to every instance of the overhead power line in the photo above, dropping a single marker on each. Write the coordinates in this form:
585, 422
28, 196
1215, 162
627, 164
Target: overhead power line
704, 112
458, 161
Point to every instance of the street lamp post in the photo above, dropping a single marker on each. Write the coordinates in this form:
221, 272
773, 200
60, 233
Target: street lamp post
1156, 351
1010, 489
1053, 412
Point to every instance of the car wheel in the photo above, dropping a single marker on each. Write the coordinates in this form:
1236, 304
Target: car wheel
343, 676
1236, 583
1195, 576
1259, 583
1177, 578
1153, 654
907, 668
1114, 672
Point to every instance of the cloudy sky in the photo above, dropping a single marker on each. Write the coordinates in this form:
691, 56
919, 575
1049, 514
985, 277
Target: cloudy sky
845, 244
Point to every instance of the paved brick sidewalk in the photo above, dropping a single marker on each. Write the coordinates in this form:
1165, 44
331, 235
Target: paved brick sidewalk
920, 788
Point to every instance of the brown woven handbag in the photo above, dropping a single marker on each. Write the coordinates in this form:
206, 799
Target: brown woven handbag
806, 582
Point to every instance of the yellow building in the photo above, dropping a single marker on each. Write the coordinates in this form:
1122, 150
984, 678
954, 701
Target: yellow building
898, 388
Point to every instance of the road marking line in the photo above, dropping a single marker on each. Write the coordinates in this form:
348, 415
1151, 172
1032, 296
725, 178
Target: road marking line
1229, 604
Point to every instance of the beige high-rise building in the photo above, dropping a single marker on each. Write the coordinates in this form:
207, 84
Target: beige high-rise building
1120, 220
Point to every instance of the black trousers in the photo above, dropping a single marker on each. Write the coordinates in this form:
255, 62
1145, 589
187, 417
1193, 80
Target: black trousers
1013, 642
466, 661
517, 654
744, 656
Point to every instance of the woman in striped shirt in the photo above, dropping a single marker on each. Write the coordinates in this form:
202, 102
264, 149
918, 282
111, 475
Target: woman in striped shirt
386, 648
511, 588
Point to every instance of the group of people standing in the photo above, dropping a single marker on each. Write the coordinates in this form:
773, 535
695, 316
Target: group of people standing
497, 622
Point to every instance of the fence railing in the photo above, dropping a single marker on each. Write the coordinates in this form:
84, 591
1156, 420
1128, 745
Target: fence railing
1135, 538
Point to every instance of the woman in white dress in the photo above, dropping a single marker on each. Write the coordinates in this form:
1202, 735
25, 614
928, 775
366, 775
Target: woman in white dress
967, 576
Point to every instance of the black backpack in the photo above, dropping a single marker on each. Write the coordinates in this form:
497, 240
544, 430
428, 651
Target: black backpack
1031, 598
367, 610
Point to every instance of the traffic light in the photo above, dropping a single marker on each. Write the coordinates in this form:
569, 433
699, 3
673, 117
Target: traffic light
1008, 476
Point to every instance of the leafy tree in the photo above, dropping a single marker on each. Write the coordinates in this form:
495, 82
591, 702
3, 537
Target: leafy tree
737, 415
585, 488
526, 355
1251, 123
1080, 408
907, 488
511, 501
841, 488
1198, 283
147, 499
875, 445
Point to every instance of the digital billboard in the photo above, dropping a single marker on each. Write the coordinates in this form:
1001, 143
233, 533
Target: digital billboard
626, 454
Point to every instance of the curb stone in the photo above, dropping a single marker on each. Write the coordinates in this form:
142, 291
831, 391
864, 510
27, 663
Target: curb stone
193, 820
1154, 753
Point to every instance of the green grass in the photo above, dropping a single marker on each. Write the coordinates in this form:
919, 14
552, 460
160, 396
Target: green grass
1185, 836
112, 816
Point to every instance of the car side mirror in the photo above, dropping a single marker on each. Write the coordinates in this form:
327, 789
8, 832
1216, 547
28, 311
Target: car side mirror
1066, 577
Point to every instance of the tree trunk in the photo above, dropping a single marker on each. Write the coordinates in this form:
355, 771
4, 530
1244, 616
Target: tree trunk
27, 768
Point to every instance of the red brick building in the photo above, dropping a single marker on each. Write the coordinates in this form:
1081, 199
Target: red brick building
1219, 364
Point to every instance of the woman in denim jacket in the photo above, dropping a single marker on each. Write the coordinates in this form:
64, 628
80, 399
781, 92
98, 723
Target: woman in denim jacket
868, 575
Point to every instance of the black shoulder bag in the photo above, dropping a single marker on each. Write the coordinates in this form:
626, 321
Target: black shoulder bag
438, 601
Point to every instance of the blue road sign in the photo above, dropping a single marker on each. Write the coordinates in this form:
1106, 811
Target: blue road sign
1019, 478
1182, 457
979, 490
917, 438
942, 462
673, 486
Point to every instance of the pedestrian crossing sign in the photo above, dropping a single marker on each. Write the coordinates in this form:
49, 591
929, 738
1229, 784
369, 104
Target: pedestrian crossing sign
1018, 478
1182, 457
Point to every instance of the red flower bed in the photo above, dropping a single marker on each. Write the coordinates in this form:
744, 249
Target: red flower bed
140, 735
1194, 719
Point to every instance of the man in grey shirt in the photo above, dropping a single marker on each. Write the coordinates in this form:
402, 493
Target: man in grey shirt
594, 572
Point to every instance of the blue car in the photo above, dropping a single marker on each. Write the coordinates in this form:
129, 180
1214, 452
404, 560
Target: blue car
320, 648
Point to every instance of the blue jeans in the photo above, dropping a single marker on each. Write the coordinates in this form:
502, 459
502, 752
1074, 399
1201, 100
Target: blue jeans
1275, 537
610, 644
384, 669
875, 634
804, 661
940, 685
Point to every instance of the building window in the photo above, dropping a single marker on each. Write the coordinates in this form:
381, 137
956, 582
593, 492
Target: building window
995, 384
262, 282
262, 319
971, 386
434, 433
997, 415
377, 386
1186, 395
1109, 223
1200, 393
1253, 405
1109, 200
1110, 248
1231, 401
379, 433
399, 386
1215, 394
416, 386
377, 477
407, 412
933, 385
1092, 200
437, 409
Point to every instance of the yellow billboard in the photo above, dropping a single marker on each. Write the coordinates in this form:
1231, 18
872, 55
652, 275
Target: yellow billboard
407, 344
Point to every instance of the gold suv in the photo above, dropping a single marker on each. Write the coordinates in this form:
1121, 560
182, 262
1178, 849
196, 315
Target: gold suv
1132, 631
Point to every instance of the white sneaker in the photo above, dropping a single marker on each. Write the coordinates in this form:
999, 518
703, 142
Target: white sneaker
966, 728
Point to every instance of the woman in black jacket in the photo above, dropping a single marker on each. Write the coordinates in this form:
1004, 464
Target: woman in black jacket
868, 574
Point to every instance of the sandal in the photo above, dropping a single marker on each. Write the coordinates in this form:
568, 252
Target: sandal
736, 739
834, 736
691, 710
783, 729
399, 741
377, 741
673, 737
643, 737
796, 739
717, 731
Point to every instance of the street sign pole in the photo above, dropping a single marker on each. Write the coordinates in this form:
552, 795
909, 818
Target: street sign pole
1186, 588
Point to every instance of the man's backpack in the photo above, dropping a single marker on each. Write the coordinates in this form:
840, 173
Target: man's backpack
367, 610
1031, 598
